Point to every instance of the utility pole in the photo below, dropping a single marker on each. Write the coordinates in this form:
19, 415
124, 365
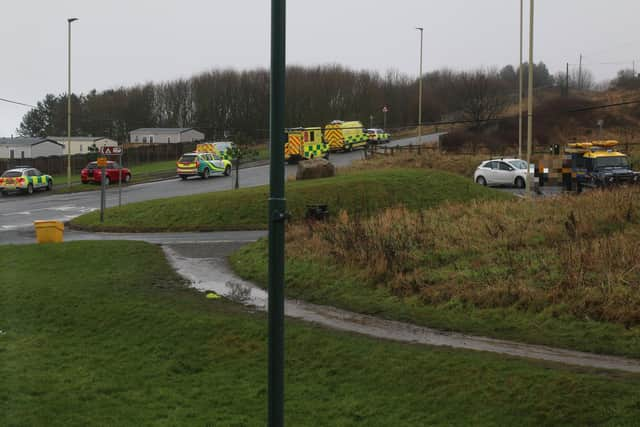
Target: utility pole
420, 90
580, 73
520, 89
566, 86
69, 21
530, 102
276, 217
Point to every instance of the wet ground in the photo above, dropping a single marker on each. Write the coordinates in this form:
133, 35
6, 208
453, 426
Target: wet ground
205, 265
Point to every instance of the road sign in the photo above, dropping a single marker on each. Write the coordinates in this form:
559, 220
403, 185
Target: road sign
102, 162
385, 109
111, 150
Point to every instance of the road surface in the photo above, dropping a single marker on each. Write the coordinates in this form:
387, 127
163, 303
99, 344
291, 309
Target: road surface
20, 210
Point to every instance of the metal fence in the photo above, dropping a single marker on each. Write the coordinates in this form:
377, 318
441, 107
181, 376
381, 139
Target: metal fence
132, 156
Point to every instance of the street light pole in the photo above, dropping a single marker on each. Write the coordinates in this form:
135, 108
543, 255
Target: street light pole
530, 101
276, 216
520, 91
420, 90
69, 21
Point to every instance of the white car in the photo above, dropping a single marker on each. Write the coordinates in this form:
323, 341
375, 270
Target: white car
512, 172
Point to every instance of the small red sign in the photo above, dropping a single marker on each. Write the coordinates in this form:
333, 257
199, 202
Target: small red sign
111, 150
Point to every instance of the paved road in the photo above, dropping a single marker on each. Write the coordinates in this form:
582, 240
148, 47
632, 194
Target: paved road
19, 211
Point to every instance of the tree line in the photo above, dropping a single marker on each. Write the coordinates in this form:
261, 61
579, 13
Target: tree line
226, 102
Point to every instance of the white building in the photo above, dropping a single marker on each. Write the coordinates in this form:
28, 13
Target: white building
29, 148
165, 135
81, 144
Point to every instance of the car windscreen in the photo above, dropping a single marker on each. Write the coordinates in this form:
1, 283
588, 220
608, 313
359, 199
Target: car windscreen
188, 158
518, 164
12, 174
611, 162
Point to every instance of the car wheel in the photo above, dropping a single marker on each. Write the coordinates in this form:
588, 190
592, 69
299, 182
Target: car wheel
30, 189
5, 193
205, 174
127, 178
49, 185
183, 177
227, 170
520, 183
480, 180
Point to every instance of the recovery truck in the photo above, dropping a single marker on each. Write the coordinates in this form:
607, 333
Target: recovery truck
593, 164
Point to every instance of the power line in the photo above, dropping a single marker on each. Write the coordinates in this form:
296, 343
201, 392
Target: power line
17, 103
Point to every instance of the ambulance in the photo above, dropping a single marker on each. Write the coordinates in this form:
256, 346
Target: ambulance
304, 144
345, 136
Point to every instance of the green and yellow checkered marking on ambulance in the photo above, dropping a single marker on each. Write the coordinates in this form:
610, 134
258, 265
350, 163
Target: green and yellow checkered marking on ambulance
37, 180
305, 143
314, 150
345, 135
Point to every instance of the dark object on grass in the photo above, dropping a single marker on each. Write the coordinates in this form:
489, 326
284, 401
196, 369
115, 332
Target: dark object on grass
317, 212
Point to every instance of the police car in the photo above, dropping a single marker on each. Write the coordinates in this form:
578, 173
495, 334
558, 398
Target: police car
24, 179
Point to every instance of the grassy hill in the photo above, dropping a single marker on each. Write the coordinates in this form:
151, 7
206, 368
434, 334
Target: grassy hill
359, 193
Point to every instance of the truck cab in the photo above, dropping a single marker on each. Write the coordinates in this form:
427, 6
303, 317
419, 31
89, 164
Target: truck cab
597, 165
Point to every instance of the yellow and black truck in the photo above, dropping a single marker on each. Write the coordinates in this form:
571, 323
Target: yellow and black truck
591, 164
305, 144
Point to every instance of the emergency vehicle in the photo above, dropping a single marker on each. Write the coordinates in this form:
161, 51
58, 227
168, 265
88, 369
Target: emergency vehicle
25, 179
597, 164
345, 136
592, 164
206, 160
378, 136
304, 144
224, 148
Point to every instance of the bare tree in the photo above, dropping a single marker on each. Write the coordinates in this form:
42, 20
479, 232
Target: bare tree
483, 96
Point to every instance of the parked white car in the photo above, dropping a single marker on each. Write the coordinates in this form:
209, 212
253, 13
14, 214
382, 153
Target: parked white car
512, 172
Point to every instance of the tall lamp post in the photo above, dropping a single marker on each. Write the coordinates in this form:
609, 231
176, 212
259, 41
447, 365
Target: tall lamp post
530, 101
520, 90
69, 21
420, 90
277, 215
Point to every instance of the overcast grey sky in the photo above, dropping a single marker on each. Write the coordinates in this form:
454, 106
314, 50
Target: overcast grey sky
122, 42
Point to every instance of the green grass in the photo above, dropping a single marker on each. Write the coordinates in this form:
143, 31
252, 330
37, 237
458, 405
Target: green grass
359, 193
324, 281
108, 341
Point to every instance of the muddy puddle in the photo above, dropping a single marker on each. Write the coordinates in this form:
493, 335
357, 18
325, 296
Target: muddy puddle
207, 269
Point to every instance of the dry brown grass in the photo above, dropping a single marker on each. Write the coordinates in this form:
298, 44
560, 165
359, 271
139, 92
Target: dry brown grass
460, 164
571, 255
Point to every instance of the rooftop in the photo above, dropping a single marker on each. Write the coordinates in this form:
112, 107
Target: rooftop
161, 130
77, 138
25, 141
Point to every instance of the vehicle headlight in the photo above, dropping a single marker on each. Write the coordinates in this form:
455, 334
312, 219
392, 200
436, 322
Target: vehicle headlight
611, 179
636, 178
